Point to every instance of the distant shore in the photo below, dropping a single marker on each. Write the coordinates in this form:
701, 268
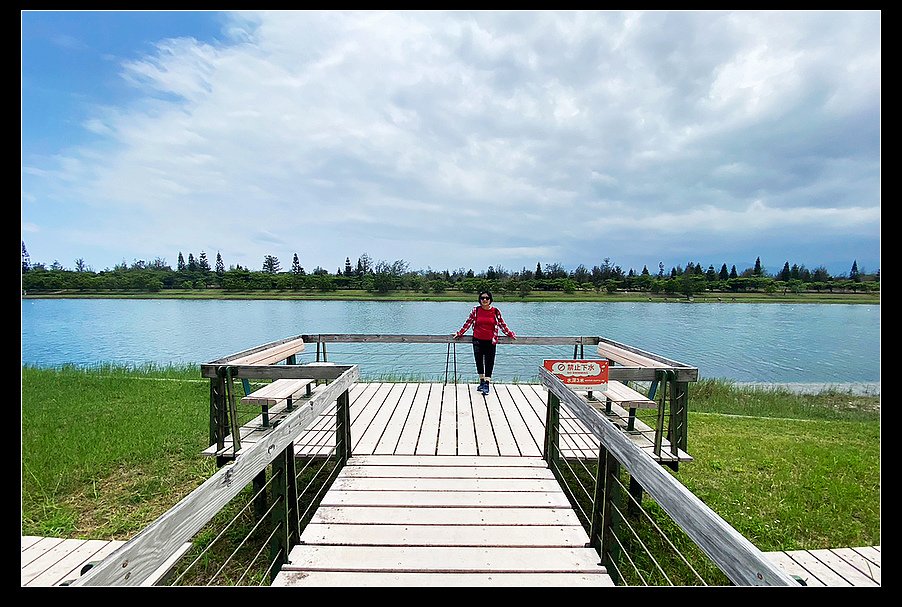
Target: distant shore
450, 295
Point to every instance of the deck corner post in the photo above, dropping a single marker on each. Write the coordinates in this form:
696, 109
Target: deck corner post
552, 431
285, 511
343, 427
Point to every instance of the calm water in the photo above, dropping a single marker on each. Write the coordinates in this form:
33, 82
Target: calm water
769, 343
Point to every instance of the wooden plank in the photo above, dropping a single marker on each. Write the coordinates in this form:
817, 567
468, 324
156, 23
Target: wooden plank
415, 499
871, 553
277, 391
37, 550
68, 566
466, 429
523, 440
501, 423
444, 515
30, 540
843, 568
449, 559
365, 428
485, 435
407, 442
447, 429
427, 443
365, 534
817, 569
530, 437
791, 568
440, 460
625, 396
628, 358
461, 471
271, 355
445, 483
369, 579
391, 433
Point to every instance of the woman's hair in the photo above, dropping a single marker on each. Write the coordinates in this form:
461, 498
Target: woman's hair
489, 293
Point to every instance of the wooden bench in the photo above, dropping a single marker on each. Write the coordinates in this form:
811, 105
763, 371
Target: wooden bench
277, 391
621, 394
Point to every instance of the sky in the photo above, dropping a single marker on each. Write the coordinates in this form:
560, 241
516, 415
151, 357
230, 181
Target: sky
452, 139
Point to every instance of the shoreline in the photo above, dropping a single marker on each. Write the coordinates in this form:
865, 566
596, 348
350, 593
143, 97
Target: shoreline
857, 388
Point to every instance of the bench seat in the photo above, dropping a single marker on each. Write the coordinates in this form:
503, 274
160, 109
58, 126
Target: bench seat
273, 354
277, 391
626, 397
628, 358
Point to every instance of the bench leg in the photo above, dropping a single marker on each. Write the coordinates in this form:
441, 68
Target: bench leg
631, 422
265, 415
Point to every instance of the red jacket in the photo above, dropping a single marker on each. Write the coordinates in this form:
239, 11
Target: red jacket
485, 324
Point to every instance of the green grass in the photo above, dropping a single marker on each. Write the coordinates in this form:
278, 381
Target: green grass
107, 450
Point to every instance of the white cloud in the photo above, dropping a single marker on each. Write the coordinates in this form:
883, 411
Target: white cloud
477, 138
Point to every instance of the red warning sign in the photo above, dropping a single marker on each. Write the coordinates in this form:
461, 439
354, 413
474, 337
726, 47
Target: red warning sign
580, 373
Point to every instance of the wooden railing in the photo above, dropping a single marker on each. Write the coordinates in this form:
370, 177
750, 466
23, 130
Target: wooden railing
732, 553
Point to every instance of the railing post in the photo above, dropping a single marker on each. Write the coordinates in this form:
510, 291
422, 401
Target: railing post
598, 505
259, 485
552, 430
343, 427
285, 513
219, 416
609, 550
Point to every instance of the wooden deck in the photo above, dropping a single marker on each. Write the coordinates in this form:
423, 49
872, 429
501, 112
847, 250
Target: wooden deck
448, 419
427, 520
445, 487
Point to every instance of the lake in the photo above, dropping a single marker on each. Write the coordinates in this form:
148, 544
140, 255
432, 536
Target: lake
802, 344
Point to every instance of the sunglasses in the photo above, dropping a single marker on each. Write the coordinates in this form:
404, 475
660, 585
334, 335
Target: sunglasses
485, 298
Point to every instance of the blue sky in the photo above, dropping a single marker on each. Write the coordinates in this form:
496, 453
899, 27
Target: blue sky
453, 139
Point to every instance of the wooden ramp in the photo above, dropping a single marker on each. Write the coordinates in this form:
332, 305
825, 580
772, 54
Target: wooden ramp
409, 520
831, 566
55, 561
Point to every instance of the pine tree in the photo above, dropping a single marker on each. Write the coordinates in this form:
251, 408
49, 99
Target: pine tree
854, 275
202, 263
724, 275
271, 264
192, 265
26, 260
180, 264
757, 271
296, 265
348, 269
785, 273
220, 267
539, 274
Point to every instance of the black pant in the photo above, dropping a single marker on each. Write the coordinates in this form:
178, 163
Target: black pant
484, 351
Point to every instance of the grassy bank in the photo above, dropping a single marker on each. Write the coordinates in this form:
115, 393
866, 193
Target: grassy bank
534, 296
106, 450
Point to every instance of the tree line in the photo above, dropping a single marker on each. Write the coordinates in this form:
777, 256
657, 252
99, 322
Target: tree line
384, 277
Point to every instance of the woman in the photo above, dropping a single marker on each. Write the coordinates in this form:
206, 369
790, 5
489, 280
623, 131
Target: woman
486, 320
